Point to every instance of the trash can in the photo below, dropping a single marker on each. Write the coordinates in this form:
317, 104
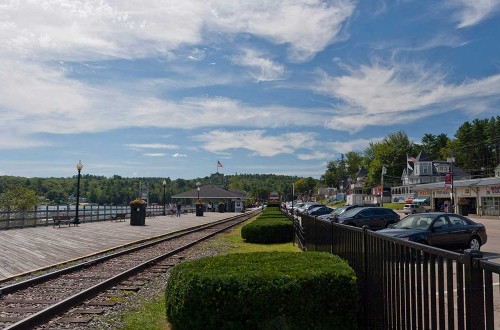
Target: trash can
222, 207
138, 215
199, 210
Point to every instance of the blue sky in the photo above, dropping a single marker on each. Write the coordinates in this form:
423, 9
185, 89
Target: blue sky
167, 88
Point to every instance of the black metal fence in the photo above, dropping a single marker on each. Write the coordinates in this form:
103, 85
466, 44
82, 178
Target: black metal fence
88, 213
406, 285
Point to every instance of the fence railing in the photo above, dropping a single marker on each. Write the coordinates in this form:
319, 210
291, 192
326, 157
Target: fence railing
87, 213
406, 285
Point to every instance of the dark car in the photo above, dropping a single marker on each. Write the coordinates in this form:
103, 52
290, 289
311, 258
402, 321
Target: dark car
320, 210
338, 211
443, 230
373, 217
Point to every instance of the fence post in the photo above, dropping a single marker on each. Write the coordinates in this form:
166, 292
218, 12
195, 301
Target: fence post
364, 267
474, 297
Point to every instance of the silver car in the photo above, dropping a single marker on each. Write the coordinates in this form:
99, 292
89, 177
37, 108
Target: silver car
414, 208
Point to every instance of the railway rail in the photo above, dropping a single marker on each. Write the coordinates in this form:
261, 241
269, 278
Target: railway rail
62, 298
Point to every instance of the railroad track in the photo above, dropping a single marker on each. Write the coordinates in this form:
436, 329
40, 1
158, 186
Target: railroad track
63, 298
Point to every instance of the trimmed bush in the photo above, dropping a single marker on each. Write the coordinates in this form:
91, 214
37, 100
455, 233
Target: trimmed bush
265, 290
268, 231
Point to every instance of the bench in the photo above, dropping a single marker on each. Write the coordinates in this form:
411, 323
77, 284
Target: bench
63, 219
119, 216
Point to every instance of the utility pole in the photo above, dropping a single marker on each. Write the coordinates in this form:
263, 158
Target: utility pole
451, 160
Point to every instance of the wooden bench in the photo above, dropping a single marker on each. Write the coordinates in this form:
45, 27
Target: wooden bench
119, 217
63, 219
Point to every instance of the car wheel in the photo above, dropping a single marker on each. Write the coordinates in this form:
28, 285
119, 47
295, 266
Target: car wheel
475, 243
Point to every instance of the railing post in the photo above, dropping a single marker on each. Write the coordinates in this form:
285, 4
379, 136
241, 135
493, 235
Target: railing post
364, 267
474, 297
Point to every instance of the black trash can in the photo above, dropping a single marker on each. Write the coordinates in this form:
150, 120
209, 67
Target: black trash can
199, 210
138, 214
222, 207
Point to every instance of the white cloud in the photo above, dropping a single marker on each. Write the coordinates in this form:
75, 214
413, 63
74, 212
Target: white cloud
257, 141
155, 154
97, 29
386, 95
353, 145
151, 146
472, 12
314, 155
260, 68
177, 155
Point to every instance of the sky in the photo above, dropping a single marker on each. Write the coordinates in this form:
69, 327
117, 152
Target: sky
165, 88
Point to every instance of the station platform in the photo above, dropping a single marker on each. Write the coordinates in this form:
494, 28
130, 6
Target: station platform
30, 249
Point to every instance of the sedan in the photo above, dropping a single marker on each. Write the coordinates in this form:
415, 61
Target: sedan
373, 217
443, 230
320, 210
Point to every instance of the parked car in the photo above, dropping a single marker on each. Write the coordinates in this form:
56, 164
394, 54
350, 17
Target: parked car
373, 217
443, 230
338, 211
320, 210
414, 208
308, 207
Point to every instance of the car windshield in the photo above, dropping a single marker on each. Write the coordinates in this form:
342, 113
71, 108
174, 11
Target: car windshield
414, 222
350, 212
339, 210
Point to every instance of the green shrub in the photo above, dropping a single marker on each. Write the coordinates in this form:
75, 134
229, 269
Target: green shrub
269, 227
268, 230
266, 290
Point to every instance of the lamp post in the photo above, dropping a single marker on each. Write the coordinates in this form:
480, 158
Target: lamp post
198, 184
164, 199
79, 167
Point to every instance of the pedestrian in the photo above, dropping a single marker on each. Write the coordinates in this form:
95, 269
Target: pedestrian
178, 209
172, 209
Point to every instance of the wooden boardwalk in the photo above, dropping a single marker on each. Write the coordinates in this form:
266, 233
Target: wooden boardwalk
28, 249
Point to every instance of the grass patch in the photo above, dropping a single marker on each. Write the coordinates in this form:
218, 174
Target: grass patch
152, 315
394, 206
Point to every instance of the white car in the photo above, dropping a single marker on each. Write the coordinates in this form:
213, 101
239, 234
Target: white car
414, 208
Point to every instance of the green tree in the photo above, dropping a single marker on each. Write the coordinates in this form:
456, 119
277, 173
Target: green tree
18, 198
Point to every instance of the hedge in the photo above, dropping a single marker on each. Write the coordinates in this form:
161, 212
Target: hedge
269, 227
268, 231
264, 290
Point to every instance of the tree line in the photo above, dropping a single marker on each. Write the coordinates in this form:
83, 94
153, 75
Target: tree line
475, 148
118, 190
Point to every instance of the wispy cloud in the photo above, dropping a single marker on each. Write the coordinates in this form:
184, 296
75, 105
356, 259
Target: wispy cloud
156, 154
97, 29
380, 94
256, 141
260, 68
177, 155
151, 146
472, 12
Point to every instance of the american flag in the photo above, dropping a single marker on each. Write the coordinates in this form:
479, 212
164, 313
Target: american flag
219, 164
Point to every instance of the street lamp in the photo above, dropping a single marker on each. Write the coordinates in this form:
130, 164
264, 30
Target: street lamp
164, 199
198, 184
79, 167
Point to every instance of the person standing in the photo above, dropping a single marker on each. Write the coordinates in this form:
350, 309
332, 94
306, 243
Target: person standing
178, 209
